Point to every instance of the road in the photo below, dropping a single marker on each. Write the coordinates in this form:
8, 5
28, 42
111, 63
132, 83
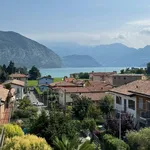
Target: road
33, 99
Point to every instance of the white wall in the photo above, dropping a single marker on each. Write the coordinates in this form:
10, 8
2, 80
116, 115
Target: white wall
121, 107
20, 95
62, 97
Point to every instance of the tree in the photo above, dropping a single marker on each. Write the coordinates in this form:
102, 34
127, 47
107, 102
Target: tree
80, 106
11, 68
93, 111
34, 73
84, 75
74, 144
148, 68
52, 125
127, 123
106, 104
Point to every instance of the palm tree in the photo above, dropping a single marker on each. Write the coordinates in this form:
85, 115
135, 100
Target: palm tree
74, 144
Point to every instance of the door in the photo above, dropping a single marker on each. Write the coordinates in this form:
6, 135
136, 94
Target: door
125, 105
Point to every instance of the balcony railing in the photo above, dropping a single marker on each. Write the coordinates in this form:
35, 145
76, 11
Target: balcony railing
145, 115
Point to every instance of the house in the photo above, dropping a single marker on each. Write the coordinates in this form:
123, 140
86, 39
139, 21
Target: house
121, 79
46, 80
95, 92
43, 83
18, 76
134, 98
18, 86
102, 76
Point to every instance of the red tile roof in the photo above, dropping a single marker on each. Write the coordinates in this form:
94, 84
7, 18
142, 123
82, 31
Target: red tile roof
69, 79
62, 84
94, 96
18, 75
138, 86
16, 82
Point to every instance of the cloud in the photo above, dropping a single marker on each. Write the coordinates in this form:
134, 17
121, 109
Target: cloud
133, 34
145, 31
140, 23
120, 37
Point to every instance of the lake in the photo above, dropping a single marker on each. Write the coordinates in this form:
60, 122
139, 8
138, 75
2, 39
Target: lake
61, 72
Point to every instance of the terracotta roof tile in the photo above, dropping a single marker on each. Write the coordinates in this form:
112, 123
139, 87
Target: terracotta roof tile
16, 82
139, 86
18, 75
94, 96
62, 84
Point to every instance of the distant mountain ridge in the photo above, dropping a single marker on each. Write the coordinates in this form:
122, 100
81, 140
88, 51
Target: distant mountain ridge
79, 61
112, 55
26, 52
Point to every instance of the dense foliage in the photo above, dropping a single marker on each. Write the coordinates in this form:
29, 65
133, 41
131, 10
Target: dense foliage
106, 104
5, 71
26, 142
139, 140
113, 143
52, 125
34, 73
83, 75
12, 130
134, 71
25, 110
80, 106
127, 123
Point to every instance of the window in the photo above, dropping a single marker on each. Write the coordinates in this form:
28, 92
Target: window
118, 100
124, 78
114, 77
140, 103
131, 104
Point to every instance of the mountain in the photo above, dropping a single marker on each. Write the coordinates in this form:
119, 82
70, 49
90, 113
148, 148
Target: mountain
107, 55
26, 52
79, 61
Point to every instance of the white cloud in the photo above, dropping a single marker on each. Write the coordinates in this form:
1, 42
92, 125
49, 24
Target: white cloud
133, 34
140, 23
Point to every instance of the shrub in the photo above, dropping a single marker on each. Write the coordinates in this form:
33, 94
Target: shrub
139, 140
89, 124
26, 142
12, 130
113, 143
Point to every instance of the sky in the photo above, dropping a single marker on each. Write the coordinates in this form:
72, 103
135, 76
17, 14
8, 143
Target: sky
87, 22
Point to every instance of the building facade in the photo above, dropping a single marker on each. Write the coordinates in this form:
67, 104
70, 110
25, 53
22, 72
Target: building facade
121, 79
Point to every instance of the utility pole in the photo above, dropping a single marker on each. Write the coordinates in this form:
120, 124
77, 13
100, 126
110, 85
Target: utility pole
65, 101
119, 125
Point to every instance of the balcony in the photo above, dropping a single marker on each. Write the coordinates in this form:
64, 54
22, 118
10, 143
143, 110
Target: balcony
145, 117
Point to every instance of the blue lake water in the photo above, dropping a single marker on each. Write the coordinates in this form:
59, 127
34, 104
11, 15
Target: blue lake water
61, 72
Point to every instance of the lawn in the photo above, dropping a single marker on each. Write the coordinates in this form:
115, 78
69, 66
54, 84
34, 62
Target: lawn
57, 79
32, 82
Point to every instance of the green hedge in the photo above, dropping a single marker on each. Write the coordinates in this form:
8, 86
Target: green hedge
113, 143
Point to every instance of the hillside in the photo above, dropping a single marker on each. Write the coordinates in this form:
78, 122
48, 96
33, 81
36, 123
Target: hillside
107, 55
26, 52
79, 61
